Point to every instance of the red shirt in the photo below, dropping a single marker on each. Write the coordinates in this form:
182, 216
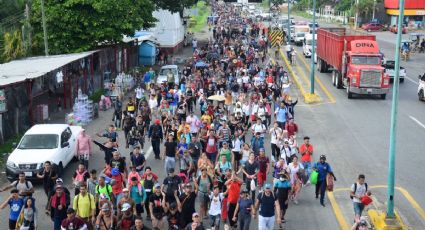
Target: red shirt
263, 161
118, 186
306, 152
75, 223
234, 191
291, 128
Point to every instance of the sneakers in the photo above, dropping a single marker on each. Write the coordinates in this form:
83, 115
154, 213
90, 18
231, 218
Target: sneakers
295, 201
323, 204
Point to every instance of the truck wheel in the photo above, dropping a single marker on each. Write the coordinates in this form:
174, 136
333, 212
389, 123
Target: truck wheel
338, 80
333, 78
383, 96
421, 95
401, 80
349, 94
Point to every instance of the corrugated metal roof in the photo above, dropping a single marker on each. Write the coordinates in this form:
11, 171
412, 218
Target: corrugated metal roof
29, 68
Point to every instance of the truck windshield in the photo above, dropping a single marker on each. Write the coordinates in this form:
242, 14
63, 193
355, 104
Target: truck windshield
39, 141
170, 70
366, 60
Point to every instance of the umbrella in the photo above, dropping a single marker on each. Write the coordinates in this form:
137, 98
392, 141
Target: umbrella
201, 64
216, 98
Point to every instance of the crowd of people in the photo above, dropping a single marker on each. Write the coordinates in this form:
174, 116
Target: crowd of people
214, 128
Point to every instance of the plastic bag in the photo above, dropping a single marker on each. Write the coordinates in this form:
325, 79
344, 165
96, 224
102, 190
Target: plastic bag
252, 185
313, 177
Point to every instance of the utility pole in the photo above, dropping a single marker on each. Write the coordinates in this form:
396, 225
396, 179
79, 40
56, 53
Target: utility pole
27, 29
43, 18
373, 10
313, 49
394, 111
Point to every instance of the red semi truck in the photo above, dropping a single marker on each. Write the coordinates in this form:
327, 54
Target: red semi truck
354, 59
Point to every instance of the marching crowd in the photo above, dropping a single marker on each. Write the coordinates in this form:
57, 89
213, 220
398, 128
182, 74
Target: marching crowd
213, 125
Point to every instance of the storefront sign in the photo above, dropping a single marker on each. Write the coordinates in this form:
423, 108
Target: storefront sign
3, 107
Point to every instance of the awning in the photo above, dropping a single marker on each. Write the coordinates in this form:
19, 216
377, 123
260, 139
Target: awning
34, 67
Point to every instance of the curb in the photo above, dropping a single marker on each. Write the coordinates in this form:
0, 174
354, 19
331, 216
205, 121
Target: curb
308, 97
380, 222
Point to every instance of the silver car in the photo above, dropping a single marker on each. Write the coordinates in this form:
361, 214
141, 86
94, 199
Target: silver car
162, 76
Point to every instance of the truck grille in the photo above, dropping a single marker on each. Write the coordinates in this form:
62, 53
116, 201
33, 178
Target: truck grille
27, 166
370, 78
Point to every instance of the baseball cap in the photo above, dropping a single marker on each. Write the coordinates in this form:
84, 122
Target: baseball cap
322, 157
195, 214
125, 207
125, 190
363, 222
157, 185
171, 170
59, 180
267, 186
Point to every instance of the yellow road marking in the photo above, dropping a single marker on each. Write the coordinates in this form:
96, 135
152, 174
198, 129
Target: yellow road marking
403, 191
273, 61
338, 213
317, 79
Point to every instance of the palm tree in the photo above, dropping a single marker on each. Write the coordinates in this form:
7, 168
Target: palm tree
13, 46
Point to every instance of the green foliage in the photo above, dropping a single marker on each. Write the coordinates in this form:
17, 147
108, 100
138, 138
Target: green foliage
7, 147
80, 25
95, 97
13, 46
197, 23
175, 6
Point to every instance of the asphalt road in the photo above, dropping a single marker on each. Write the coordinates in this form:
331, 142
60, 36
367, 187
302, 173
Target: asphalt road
354, 134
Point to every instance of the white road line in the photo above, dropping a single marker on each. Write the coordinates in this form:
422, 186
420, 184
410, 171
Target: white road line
149, 152
411, 80
417, 122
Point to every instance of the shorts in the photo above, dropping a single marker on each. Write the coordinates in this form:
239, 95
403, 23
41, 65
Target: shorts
12, 224
139, 209
237, 155
358, 208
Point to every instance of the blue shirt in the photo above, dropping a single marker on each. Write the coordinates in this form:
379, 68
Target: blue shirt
281, 114
136, 196
266, 204
147, 77
15, 208
323, 170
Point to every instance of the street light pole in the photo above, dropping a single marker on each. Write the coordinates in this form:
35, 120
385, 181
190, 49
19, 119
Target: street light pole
43, 18
313, 51
394, 110
289, 23
357, 14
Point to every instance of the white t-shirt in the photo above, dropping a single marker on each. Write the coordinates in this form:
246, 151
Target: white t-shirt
194, 43
246, 108
285, 152
215, 205
293, 170
237, 143
360, 191
245, 79
259, 128
139, 93
275, 133
153, 103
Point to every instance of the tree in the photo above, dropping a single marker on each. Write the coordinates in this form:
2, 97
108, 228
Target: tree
80, 25
175, 6
13, 46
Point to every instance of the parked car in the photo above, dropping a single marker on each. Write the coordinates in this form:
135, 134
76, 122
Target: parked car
372, 26
390, 70
44, 142
421, 87
394, 29
162, 76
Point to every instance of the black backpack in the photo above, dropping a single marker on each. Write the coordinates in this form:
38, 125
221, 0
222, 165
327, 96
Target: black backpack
156, 131
355, 189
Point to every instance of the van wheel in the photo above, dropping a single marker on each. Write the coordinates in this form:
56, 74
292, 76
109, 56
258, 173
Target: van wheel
383, 96
401, 80
421, 95
338, 80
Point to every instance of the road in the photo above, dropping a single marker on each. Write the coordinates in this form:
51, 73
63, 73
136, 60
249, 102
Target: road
354, 134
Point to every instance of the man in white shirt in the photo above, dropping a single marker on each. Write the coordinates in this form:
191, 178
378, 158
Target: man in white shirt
288, 50
139, 95
358, 190
194, 44
258, 128
275, 133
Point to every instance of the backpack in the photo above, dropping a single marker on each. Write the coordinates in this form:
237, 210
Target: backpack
78, 198
26, 184
156, 131
107, 190
355, 189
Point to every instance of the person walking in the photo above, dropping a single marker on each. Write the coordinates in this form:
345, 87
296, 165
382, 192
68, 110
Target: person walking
72, 221
48, 175
156, 136
282, 189
85, 207
275, 133
83, 147
358, 190
269, 209
24, 186
323, 168
233, 192
294, 170
246, 210
306, 151
15, 203
59, 203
